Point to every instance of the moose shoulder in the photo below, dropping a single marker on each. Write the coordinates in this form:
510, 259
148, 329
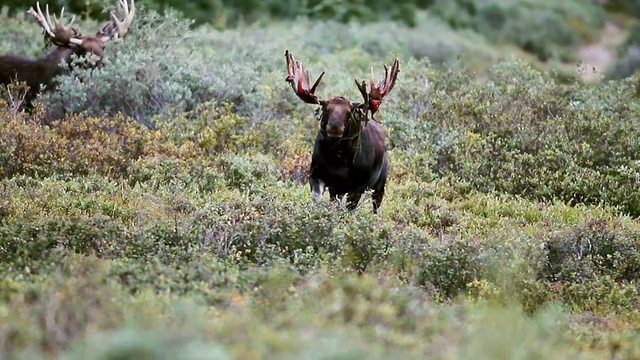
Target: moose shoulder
68, 41
349, 155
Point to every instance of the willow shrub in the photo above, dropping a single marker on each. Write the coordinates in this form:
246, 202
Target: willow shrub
76, 146
522, 133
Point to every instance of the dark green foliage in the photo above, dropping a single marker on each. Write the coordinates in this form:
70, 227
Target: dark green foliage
225, 13
631, 7
86, 8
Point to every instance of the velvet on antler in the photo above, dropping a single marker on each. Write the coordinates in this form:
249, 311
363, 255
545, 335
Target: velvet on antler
373, 98
300, 80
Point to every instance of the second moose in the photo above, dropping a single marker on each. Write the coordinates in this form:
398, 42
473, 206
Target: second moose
349, 154
68, 41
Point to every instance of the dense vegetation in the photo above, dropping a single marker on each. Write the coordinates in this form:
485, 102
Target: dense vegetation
166, 215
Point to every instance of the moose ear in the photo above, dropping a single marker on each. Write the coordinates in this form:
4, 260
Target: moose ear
317, 113
356, 104
358, 107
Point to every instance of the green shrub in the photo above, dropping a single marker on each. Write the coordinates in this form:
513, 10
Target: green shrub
246, 172
522, 133
31, 245
212, 128
14, 32
451, 267
77, 146
65, 304
594, 250
142, 64
132, 342
628, 62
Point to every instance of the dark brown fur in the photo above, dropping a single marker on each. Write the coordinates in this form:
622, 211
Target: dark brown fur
34, 72
349, 155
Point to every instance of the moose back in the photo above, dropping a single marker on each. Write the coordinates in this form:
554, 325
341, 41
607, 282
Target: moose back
349, 155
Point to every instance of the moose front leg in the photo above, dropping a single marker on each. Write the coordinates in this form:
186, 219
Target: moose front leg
317, 188
352, 199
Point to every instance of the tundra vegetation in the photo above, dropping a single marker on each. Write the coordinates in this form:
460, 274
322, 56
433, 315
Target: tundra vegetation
168, 214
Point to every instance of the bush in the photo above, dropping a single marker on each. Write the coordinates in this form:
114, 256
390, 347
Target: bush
523, 134
451, 267
28, 245
77, 146
594, 250
224, 13
52, 313
142, 64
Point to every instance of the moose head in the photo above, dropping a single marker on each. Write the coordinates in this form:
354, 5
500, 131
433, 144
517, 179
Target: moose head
68, 40
350, 155
336, 111
70, 37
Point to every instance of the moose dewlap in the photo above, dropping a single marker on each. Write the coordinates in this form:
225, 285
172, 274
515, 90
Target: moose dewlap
350, 155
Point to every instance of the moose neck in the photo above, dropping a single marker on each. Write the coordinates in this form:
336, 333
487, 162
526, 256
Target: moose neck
57, 55
49, 66
344, 149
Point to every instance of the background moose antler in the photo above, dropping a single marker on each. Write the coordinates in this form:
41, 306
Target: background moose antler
69, 36
68, 41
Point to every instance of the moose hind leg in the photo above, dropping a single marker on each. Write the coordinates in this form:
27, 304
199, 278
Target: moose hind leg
376, 198
378, 189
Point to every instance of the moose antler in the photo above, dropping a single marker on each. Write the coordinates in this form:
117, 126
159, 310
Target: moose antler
62, 35
300, 80
58, 34
374, 97
116, 28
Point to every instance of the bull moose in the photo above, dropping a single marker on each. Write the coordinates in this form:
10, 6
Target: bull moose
68, 41
350, 154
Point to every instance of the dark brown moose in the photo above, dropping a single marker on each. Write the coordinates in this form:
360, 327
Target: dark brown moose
67, 40
350, 155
